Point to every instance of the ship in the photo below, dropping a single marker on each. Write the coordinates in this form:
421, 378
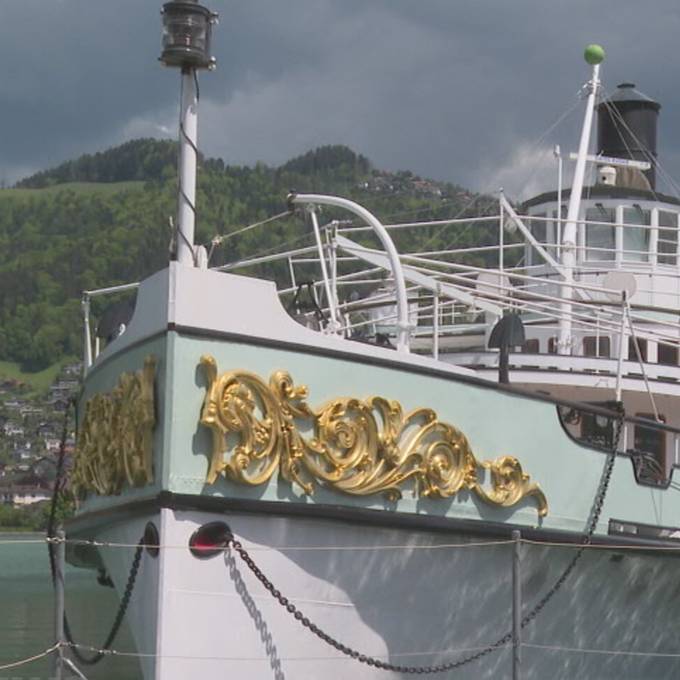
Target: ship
411, 464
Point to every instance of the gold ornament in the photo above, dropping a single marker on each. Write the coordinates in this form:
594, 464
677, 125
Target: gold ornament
359, 447
115, 440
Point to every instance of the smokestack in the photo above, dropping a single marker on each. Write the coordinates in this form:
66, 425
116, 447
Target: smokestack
627, 128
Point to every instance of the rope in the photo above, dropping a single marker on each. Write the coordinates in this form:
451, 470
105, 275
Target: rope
552, 648
30, 659
611, 652
377, 548
281, 548
528, 645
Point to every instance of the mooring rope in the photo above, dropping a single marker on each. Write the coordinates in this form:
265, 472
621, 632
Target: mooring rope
31, 659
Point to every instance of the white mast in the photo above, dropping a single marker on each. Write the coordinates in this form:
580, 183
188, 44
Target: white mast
188, 158
594, 55
187, 27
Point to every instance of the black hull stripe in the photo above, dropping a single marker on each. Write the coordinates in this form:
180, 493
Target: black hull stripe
83, 525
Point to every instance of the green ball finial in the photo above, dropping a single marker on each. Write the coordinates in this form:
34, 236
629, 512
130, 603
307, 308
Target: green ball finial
594, 54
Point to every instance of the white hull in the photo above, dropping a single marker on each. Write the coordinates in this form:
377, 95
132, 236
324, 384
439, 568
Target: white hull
409, 605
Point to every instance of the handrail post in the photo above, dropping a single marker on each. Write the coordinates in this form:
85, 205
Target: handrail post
501, 243
59, 564
516, 605
435, 325
622, 334
87, 337
330, 299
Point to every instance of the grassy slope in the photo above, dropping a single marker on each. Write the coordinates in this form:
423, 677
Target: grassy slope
39, 382
77, 187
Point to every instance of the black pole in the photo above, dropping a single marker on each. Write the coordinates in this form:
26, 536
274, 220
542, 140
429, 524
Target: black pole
503, 361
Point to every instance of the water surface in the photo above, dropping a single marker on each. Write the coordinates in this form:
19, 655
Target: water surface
27, 615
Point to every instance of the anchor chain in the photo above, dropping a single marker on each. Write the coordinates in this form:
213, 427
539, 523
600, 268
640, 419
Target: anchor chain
596, 511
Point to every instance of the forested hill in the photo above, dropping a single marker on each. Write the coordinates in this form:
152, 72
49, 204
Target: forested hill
102, 219
139, 159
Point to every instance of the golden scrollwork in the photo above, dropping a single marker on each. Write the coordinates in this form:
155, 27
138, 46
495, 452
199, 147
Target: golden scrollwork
115, 440
360, 447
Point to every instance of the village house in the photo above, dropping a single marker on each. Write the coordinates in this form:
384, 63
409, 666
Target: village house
52, 444
29, 410
19, 495
13, 430
45, 429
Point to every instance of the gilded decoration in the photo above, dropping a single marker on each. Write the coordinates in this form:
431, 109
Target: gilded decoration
115, 440
360, 447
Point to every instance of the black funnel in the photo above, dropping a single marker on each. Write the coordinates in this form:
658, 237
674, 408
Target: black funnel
627, 127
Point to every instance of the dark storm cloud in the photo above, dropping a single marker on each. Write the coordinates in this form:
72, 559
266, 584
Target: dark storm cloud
455, 90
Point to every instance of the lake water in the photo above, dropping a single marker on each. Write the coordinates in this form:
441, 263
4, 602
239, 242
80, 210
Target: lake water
27, 615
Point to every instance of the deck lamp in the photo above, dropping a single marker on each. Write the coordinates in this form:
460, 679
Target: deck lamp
187, 28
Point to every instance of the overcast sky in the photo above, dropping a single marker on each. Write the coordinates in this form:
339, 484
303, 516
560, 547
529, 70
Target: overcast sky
457, 90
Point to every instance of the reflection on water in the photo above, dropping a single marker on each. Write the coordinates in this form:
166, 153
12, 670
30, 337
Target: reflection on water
27, 618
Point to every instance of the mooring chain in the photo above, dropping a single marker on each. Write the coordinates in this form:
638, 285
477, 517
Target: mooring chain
120, 615
592, 525
501, 642
132, 576
342, 648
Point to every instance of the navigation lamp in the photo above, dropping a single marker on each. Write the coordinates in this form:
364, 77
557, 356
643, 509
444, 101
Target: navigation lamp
594, 54
210, 540
187, 28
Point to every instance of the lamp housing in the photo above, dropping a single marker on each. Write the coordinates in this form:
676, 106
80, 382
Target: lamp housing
187, 29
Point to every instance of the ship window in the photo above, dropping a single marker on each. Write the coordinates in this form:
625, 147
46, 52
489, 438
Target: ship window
636, 240
591, 349
668, 237
530, 346
597, 430
667, 354
600, 243
632, 354
649, 454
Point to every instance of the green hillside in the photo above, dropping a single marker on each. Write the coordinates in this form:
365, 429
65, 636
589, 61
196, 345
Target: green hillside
103, 220
77, 187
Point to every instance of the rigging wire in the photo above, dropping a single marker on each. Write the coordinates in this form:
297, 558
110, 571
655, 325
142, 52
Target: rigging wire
221, 238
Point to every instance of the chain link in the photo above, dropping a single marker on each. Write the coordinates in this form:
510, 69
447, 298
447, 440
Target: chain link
596, 511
